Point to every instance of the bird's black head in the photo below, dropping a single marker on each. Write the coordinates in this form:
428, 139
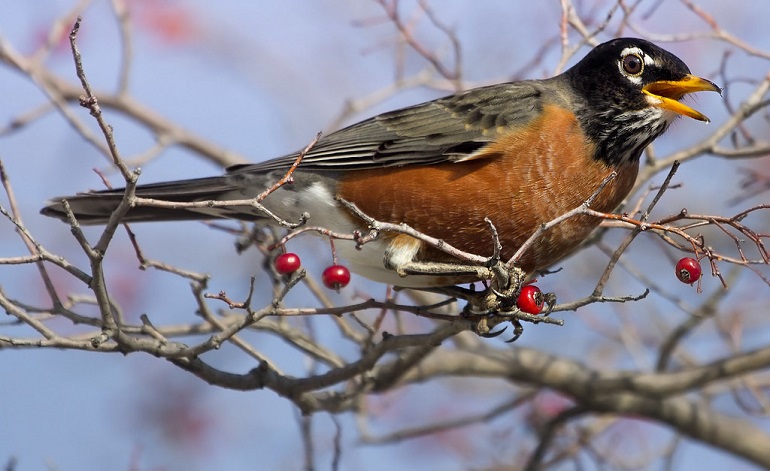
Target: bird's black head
628, 92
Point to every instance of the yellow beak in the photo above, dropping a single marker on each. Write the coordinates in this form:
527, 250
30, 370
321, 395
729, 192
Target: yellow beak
666, 93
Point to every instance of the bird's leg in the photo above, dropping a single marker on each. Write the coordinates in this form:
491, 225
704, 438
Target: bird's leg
504, 287
403, 247
439, 269
403, 256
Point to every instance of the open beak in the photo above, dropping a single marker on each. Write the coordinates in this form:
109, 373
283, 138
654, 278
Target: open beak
667, 93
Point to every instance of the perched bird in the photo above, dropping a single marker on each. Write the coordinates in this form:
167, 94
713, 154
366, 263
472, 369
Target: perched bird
519, 153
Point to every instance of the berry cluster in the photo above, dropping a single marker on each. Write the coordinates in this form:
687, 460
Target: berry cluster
334, 277
530, 300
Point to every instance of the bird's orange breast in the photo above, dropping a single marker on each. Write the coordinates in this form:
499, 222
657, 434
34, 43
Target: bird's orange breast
522, 180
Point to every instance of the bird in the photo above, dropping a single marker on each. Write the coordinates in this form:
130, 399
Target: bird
517, 154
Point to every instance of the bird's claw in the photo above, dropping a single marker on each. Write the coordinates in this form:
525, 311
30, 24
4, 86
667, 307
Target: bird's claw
491, 335
518, 329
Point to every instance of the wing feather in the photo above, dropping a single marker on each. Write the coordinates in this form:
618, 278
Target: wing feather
450, 129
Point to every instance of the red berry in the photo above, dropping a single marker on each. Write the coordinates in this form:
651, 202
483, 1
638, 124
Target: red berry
336, 277
287, 263
530, 300
688, 270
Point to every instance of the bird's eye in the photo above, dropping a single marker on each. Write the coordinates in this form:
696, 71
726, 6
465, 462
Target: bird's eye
633, 64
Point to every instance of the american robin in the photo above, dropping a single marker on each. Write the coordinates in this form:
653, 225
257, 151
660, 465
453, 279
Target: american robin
519, 153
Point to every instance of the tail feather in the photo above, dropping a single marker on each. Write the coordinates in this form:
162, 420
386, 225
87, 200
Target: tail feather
96, 207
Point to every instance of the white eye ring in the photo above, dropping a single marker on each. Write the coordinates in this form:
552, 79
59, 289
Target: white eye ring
632, 64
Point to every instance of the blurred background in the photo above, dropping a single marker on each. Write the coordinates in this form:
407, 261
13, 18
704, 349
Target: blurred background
257, 80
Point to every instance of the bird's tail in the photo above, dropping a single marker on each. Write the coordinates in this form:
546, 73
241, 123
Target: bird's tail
95, 207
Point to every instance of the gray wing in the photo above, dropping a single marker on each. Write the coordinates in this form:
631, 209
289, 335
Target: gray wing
444, 130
